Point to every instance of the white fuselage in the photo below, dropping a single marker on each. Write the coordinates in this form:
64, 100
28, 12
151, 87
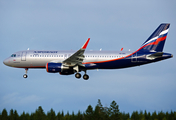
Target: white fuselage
39, 59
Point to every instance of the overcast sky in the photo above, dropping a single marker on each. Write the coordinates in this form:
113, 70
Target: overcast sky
66, 25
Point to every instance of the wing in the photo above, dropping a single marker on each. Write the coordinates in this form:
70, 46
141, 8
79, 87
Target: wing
78, 57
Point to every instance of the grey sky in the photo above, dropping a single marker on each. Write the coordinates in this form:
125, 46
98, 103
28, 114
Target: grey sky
66, 25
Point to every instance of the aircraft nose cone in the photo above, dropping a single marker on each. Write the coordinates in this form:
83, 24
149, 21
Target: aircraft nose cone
5, 62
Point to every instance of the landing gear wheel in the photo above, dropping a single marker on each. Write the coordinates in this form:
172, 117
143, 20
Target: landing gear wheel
78, 75
85, 77
25, 76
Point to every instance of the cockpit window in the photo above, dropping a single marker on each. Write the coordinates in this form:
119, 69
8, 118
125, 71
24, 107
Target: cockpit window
13, 55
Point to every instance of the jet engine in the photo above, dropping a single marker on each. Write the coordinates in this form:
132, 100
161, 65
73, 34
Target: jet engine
59, 67
54, 67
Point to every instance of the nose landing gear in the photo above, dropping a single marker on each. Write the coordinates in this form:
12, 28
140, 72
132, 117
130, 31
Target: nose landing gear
25, 75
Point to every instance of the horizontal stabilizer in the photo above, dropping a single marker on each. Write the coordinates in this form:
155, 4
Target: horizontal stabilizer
155, 55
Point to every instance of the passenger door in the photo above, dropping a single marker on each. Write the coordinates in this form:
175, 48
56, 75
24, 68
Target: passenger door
23, 56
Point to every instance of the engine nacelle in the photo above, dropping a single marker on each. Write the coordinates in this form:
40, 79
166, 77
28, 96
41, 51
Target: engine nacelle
58, 67
54, 67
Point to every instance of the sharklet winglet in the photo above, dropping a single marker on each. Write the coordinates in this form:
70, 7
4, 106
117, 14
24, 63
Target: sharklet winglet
85, 44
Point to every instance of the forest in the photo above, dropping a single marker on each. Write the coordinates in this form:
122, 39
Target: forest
98, 113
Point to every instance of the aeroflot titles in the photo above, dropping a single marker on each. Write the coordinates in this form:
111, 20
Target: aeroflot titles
54, 52
45, 51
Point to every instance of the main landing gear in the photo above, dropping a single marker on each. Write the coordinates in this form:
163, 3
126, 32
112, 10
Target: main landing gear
25, 75
85, 76
78, 75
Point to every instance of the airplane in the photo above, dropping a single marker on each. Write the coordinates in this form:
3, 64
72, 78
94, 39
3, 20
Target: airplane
73, 62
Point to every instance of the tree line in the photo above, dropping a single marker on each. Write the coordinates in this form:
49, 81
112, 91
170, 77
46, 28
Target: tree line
98, 113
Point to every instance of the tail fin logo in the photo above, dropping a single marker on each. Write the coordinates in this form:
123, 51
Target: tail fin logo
156, 41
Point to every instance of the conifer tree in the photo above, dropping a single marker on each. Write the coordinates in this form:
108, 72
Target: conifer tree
59, 116
97, 113
114, 111
11, 115
23, 116
4, 115
89, 113
39, 114
154, 115
16, 116
80, 116
103, 112
73, 116
51, 115
135, 115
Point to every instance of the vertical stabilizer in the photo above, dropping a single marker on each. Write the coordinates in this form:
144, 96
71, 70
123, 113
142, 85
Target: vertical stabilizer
156, 41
